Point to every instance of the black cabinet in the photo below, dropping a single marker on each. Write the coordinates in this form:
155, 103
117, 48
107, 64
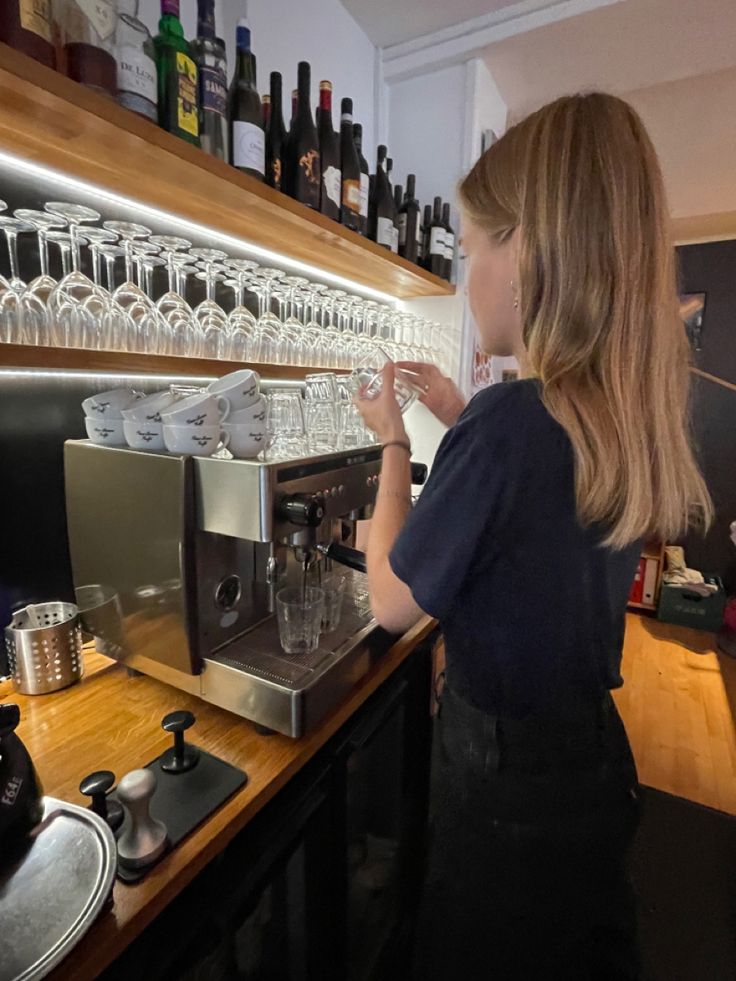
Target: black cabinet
322, 884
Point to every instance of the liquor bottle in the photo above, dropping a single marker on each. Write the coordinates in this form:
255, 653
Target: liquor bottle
437, 240
275, 137
26, 26
247, 139
177, 76
211, 58
304, 176
351, 200
426, 225
87, 35
381, 213
329, 152
136, 58
266, 106
410, 224
365, 180
449, 244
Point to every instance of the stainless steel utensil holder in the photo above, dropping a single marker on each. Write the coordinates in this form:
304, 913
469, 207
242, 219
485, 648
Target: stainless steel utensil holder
44, 645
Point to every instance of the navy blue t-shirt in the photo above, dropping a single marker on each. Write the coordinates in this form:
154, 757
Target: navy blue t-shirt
532, 606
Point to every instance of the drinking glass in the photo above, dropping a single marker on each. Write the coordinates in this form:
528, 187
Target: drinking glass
189, 344
241, 322
23, 316
64, 242
75, 305
296, 351
285, 425
321, 387
333, 586
366, 380
331, 339
43, 222
267, 337
314, 334
322, 427
352, 432
299, 613
212, 319
141, 319
173, 309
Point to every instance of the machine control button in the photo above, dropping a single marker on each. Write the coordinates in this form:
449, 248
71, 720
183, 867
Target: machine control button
228, 592
341, 489
333, 492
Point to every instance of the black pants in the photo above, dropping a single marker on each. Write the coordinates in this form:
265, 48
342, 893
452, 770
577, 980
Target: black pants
531, 823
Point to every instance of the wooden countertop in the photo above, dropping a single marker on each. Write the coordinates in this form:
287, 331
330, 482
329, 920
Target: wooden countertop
112, 721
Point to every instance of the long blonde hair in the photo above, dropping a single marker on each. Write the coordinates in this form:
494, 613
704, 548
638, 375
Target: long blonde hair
581, 181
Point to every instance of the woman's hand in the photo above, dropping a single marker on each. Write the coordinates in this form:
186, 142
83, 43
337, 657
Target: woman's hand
382, 414
438, 392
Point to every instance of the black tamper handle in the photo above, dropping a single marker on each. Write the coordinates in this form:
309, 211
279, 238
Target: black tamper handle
97, 785
181, 757
419, 473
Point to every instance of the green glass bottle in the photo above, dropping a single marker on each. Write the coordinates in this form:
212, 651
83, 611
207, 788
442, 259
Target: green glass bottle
177, 77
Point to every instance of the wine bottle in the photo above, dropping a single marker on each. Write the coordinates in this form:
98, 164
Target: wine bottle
304, 169
247, 139
395, 218
177, 76
136, 60
410, 225
437, 240
211, 58
329, 152
381, 212
87, 36
26, 26
426, 226
351, 198
294, 102
398, 197
365, 180
449, 244
275, 137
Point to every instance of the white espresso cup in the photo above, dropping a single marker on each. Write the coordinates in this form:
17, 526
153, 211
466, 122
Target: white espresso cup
240, 388
149, 409
254, 415
194, 440
245, 441
144, 435
197, 411
109, 405
105, 432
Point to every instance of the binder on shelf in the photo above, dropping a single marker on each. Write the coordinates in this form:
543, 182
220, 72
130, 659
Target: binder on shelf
637, 587
651, 573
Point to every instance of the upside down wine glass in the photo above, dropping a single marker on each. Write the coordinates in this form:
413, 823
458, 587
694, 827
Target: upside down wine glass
76, 305
43, 222
139, 315
173, 309
241, 322
23, 318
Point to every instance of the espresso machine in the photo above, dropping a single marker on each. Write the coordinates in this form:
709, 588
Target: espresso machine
186, 555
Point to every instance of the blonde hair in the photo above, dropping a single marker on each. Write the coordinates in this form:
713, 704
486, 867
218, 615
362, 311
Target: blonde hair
581, 181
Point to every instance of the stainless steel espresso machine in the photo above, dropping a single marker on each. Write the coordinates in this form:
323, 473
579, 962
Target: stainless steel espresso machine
185, 555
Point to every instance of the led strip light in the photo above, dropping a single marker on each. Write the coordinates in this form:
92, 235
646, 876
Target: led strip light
26, 167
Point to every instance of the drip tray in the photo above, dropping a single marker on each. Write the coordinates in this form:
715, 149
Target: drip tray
290, 693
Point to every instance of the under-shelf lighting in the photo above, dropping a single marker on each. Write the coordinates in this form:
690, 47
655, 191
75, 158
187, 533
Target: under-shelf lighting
103, 373
26, 167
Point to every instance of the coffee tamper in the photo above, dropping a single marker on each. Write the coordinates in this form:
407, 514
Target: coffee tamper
97, 786
180, 757
143, 838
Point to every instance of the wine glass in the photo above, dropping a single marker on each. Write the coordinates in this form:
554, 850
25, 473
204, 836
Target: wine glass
209, 315
23, 317
241, 322
314, 333
141, 318
75, 305
115, 332
64, 242
175, 312
332, 298
43, 222
192, 341
266, 346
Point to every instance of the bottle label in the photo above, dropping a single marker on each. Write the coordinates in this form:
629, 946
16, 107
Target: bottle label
276, 173
35, 16
332, 178
365, 185
395, 239
449, 246
309, 166
212, 90
186, 97
101, 15
385, 229
420, 234
437, 241
249, 146
351, 196
136, 72
402, 229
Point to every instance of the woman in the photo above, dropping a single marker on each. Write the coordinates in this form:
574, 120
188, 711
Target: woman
526, 538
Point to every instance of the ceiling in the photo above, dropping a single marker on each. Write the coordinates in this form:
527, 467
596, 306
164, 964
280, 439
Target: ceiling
388, 22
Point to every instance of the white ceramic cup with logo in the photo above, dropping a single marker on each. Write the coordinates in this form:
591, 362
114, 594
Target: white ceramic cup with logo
197, 411
149, 409
240, 388
109, 405
194, 440
144, 435
105, 432
254, 415
245, 441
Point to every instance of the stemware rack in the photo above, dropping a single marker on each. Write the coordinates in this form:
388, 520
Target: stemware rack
50, 120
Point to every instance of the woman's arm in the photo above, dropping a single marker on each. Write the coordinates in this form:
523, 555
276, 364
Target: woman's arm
391, 599
438, 392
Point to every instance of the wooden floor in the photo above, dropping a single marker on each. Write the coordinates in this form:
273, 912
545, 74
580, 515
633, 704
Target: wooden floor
678, 704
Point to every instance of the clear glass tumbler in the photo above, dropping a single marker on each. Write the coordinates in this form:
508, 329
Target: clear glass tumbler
333, 586
299, 613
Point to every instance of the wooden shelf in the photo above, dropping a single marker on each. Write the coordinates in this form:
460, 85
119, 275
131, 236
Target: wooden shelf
642, 606
123, 363
47, 118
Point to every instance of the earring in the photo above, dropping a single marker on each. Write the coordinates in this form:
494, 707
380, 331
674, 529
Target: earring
516, 296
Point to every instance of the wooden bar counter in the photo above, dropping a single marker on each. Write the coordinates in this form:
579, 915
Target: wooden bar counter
113, 721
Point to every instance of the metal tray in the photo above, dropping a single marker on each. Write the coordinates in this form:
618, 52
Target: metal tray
52, 888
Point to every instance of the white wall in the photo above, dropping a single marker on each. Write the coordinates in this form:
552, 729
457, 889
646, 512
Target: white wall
284, 33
